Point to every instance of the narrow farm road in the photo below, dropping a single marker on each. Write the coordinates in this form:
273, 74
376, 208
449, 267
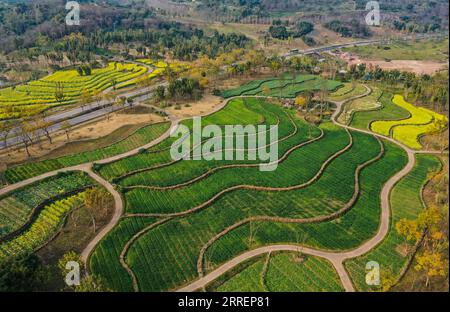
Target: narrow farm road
336, 258
87, 167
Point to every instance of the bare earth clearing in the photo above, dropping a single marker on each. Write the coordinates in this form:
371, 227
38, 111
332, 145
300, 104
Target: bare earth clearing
204, 106
418, 67
90, 131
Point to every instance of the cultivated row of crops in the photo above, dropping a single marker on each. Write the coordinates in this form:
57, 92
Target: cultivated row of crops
173, 248
392, 254
367, 103
387, 111
289, 133
349, 231
348, 90
16, 207
183, 238
42, 229
236, 112
63, 87
285, 272
286, 86
408, 131
158, 71
139, 138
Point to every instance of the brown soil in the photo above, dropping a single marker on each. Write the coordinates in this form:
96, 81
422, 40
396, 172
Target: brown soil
76, 233
418, 67
402, 249
190, 109
119, 125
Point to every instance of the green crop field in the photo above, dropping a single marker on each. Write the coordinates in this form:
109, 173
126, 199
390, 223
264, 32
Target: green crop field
388, 111
46, 225
285, 86
208, 210
436, 50
367, 103
348, 90
141, 137
164, 150
408, 131
16, 207
286, 272
406, 203
236, 112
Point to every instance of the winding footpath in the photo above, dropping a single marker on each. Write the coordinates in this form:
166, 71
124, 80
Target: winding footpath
87, 167
336, 258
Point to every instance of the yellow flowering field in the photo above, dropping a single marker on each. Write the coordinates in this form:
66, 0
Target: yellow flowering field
418, 117
38, 95
408, 131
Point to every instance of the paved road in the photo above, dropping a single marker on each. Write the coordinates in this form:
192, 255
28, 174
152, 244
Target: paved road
79, 115
351, 44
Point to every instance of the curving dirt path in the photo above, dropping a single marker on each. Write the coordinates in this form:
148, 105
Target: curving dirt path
254, 187
87, 167
336, 258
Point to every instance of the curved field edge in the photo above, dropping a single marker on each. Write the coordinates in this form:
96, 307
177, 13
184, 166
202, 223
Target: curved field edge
178, 172
180, 241
138, 138
388, 111
19, 207
349, 231
45, 226
406, 202
282, 272
408, 131
236, 111
366, 103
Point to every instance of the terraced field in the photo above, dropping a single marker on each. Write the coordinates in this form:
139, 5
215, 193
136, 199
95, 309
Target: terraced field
286, 86
159, 68
199, 214
17, 208
406, 203
409, 130
367, 103
140, 137
388, 111
287, 272
236, 112
39, 95
44, 227
184, 219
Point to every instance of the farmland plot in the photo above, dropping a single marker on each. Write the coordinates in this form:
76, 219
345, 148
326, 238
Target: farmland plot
406, 203
16, 207
184, 237
285, 272
140, 137
39, 95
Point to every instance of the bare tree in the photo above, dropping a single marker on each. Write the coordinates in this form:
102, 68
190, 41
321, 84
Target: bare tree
66, 127
5, 129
